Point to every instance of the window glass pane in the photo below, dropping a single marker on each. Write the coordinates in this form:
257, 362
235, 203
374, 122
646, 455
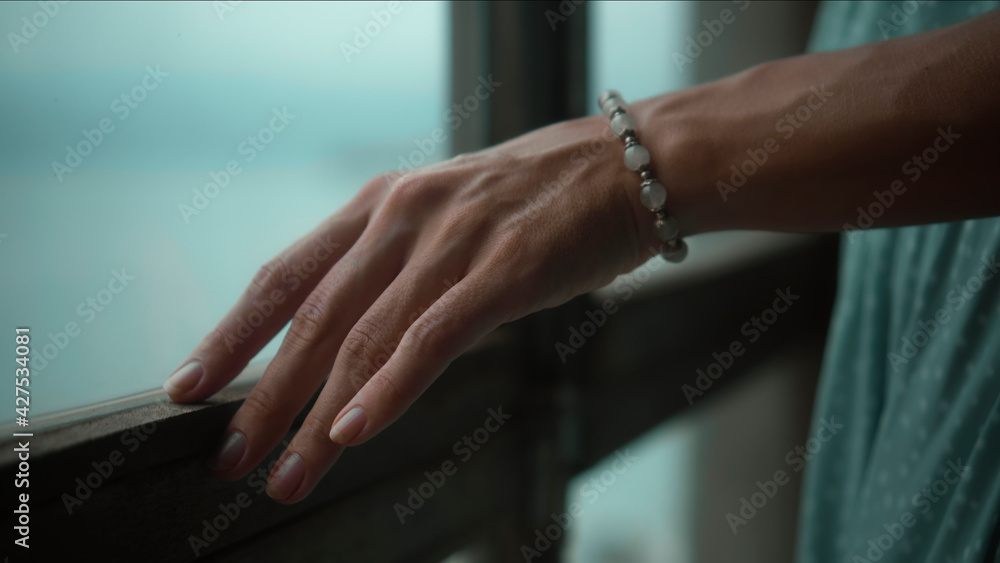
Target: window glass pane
637, 503
158, 153
631, 47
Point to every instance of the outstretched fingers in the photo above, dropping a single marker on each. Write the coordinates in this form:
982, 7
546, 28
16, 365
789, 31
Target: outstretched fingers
267, 304
270, 300
306, 354
415, 329
454, 323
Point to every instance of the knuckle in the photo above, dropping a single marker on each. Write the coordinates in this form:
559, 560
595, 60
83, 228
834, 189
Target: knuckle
405, 191
260, 403
462, 159
268, 277
388, 391
314, 429
379, 186
309, 322
428, 336
408, 183
384, 182
415, 191
361, 346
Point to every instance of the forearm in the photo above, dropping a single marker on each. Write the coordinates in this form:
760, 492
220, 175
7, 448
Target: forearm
799, 144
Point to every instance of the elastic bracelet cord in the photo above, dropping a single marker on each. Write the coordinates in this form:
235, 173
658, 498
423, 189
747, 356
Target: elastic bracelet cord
652, 193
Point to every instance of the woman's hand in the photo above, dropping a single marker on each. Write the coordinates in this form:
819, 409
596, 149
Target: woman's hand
384, 294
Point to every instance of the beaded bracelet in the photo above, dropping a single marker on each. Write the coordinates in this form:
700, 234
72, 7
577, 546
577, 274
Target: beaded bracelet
652, 194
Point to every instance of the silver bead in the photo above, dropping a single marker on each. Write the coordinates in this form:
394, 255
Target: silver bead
636, 157
611, 105
666, 229
653, 195
646, 175
675, 251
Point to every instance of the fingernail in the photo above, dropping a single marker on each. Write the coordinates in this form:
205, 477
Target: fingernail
184, 379
348, 426
286, 478
229, 453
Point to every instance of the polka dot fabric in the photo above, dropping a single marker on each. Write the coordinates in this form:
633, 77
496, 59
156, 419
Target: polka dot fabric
911, 368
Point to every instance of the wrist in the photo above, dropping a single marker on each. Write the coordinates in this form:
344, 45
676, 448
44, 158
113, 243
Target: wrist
682, 160
623, 184
627, 185
669, 239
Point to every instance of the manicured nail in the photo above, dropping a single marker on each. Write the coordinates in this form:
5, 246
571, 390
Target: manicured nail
229, 453
287, 478
184, 379
349, 426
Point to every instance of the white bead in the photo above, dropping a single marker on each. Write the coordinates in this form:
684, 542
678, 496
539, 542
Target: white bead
667, 229
653, 195
636, 157
621, 123
608, 94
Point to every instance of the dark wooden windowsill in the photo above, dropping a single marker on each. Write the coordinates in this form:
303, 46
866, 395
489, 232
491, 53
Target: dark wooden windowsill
150, 506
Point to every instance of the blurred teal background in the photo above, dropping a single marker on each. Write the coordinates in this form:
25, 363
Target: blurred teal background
119, 209
218, 77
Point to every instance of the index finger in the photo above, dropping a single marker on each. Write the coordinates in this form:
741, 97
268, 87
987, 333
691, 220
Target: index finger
267, 304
